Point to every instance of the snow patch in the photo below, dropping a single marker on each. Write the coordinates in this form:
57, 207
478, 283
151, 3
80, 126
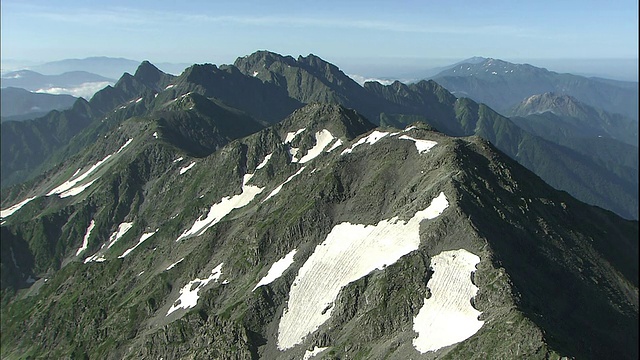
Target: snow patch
277, 269
264, 162
279, 187
323, 139
255, 73
421, 145
186, 168
11, 209
308, 354
189, 293
73, 180
335, 145
77, 190
447, 317
292, 135
124, 146
369, 139
169, 86
223, 208
293, 152
155, 134
178, 159
144, 237
174, 264
122, 229
349, 252
85, 240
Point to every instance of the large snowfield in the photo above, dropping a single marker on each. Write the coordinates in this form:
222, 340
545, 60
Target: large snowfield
448, 317
349, 252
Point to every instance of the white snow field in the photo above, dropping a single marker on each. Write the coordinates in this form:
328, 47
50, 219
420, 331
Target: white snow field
189, 293
279, 187
349, 252
308, 354
122, 229
85, 241
323, 139
225, 206
11, 209
187, 168
369, 139
447, 317
68, 188
292, 135
144, 237
335, 145
264, 162
76, 190
277, 269
421, 145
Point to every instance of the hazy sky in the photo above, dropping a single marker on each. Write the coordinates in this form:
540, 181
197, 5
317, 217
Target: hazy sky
343, 32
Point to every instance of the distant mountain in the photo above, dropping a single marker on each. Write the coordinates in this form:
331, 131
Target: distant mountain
437, 70
611, 140
19, 104
502, 85
309, 79
319, 235
106, 66
26, 145
557, 116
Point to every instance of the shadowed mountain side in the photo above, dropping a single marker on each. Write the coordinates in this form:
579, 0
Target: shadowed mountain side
157, 254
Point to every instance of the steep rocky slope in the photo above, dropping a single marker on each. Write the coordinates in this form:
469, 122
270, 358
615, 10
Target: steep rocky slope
320, 235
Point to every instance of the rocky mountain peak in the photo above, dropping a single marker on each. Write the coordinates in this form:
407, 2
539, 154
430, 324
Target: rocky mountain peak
148, 73
340, 121
557, 103
261, 59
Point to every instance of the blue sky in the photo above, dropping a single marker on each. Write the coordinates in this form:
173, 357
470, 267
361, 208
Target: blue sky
367, 33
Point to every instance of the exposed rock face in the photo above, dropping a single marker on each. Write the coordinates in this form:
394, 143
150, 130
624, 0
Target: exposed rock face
371, 231
185, 227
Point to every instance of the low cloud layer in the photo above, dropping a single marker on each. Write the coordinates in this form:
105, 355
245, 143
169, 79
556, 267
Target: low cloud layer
84, 90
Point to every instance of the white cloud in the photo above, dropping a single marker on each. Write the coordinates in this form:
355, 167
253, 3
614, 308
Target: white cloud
84, 90
363, 79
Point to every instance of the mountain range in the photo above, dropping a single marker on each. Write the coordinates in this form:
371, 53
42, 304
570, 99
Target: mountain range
76, 83
275, 209
268, 86
502, 85
317, 235
105, 66
20, 104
